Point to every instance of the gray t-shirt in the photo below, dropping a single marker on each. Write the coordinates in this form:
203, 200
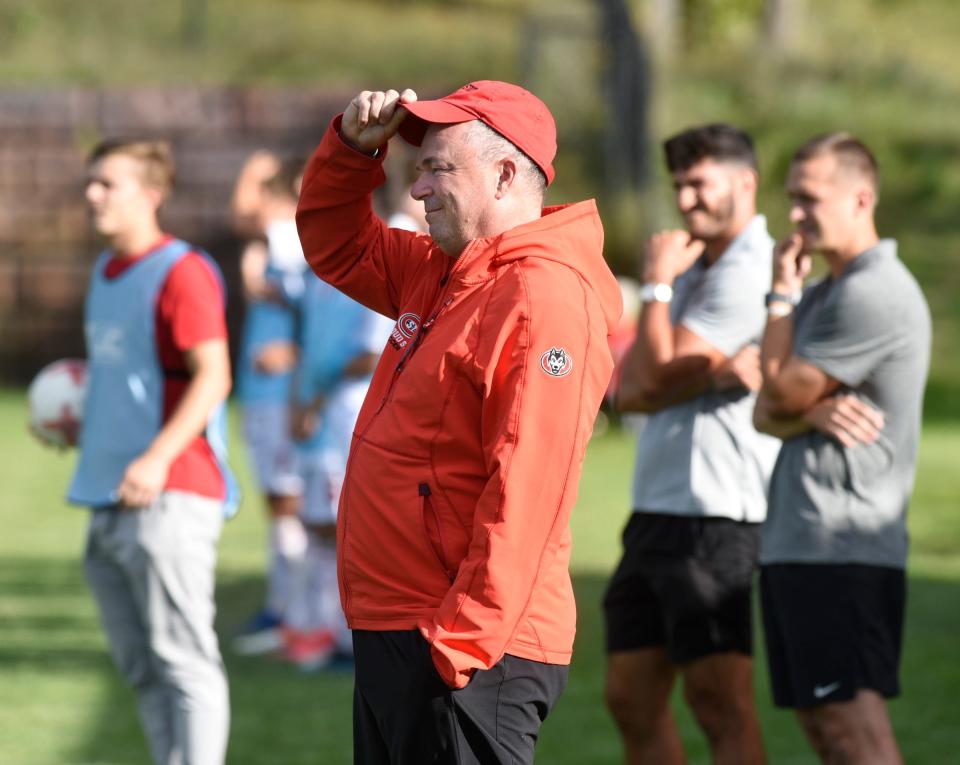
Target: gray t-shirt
869, 329
703, 456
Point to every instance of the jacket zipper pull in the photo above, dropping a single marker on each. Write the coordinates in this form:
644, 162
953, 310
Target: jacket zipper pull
424, 490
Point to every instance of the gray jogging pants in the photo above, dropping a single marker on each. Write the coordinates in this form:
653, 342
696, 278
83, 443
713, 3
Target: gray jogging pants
151, 571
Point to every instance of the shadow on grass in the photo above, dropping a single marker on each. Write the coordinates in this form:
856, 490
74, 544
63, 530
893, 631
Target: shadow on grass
45, 624
282, 716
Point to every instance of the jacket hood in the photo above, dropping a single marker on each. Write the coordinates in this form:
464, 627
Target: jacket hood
571, 235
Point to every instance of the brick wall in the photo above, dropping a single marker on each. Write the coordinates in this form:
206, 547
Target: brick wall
46, 249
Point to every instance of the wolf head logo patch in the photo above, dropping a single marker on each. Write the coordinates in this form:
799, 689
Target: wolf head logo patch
556, 362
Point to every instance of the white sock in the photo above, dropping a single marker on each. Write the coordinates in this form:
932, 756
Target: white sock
288, 545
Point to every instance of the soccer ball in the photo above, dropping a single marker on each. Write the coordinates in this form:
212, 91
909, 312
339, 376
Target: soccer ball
56, 398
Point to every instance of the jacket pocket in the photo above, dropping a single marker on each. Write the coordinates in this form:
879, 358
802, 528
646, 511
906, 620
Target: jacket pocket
433, 530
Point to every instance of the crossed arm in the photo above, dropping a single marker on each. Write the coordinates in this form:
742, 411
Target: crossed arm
796, 395
668, 365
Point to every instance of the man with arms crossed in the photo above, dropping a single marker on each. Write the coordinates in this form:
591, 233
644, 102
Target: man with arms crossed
452, 535
843, 379
680, 600
152, 455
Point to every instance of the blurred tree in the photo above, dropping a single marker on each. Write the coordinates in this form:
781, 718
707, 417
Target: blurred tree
708, 22
781, 24
626, 88
664, 20
193, 23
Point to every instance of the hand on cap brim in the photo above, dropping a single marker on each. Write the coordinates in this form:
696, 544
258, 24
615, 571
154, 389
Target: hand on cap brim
373, 118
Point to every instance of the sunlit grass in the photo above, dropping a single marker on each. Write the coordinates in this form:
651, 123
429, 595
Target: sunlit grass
63, 702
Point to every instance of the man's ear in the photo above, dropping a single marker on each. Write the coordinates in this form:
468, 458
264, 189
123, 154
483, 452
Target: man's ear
156, 195
866, 198
507, 176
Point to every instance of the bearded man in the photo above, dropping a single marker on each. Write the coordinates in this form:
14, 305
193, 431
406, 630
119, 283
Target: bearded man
680, 600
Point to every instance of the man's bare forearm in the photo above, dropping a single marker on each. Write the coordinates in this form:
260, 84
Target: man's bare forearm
782, 427
653, 376
775, 351
653, 349
209, 386
682, 379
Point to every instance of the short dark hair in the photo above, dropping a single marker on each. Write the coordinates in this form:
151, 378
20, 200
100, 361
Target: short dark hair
718, 141
850, 152
159, 169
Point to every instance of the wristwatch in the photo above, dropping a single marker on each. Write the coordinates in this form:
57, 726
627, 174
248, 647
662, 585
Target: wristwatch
781, 304
781, 297
656, 292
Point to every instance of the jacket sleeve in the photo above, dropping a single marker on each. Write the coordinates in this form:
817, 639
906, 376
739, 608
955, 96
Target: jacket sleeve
537, 416
344, 242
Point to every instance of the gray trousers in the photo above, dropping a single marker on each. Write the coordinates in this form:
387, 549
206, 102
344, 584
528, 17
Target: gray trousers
151, 571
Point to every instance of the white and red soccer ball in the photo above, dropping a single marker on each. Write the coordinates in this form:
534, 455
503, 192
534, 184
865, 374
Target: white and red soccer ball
56, 398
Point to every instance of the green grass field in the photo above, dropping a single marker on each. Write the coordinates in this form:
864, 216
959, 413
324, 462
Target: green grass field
61, 702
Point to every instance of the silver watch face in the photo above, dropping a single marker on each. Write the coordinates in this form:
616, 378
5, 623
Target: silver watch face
663, 293
659, 292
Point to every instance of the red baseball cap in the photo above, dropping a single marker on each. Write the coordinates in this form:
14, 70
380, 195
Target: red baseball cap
515, 113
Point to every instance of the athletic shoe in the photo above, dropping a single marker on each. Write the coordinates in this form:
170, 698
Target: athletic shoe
310, 650
340, 662
262, 634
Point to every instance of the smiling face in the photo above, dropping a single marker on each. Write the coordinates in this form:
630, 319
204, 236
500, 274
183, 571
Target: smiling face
712, 197
827, 205
117, 196
457, 186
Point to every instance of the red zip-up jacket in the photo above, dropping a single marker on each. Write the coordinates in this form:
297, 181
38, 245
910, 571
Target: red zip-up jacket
468, 450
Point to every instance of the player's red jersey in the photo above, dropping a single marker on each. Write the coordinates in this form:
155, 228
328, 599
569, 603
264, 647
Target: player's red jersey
189, 311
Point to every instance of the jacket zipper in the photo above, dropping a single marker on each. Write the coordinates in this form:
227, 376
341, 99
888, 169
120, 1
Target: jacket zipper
438, 309
428, 514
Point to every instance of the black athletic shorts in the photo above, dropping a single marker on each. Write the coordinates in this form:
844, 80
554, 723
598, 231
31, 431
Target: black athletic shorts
685, 584
831, 630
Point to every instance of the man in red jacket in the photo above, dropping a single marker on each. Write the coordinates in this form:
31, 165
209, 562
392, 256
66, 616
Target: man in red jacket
452, 537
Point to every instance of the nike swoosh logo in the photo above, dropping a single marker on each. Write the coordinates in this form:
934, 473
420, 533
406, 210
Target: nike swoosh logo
819, 691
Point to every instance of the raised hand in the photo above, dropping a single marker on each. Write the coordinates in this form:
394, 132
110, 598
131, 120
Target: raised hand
791, 265
669, 254
373, 117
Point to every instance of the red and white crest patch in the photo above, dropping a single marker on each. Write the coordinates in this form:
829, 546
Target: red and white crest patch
404, 331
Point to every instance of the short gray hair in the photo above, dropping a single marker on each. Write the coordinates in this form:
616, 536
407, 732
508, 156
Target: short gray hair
490, 146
